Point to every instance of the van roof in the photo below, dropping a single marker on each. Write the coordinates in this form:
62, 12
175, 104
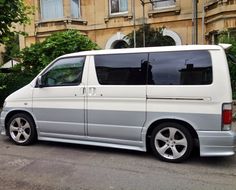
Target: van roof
144, 50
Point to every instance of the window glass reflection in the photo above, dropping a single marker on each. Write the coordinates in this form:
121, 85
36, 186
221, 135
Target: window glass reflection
181, 68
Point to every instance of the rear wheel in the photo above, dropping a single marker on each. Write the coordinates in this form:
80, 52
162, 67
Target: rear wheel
171, 142
21, 129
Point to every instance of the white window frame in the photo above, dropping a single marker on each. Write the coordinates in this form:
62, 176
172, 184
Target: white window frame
79, 10
118, 13
156, 6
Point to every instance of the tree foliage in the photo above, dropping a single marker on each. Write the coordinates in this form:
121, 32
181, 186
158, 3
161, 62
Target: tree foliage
153, 37
40, 54
225, 38
11, 12
37, 56
12, 48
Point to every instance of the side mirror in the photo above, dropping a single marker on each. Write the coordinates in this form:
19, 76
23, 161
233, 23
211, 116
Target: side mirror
39, 82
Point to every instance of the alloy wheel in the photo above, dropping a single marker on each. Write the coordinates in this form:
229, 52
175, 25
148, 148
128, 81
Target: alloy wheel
171, 143
20, 130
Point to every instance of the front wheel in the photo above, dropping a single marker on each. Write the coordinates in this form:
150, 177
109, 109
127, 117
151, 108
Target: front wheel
21, 129
171, 142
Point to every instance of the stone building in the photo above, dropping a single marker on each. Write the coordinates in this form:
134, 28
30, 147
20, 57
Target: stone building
107, 21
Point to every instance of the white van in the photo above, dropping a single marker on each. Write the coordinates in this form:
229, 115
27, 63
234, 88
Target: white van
168, 99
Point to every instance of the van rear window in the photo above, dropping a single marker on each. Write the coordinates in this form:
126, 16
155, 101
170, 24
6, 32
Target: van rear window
180, 68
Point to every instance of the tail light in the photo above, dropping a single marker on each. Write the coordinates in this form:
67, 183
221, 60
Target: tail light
227, 117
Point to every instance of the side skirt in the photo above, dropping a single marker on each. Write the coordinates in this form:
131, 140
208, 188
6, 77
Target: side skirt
94, 141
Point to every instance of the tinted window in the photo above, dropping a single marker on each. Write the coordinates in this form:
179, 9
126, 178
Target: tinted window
180, 68
64, 72
123, 69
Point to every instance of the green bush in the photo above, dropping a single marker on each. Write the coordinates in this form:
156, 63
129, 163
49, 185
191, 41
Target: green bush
225, 38
13, 81
39, 55
153, 37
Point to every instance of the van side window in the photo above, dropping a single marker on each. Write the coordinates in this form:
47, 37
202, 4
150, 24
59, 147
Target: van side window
64, 72
122, 69
181, 68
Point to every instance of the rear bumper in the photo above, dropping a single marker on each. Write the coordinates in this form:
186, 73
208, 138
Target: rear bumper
234, 129
217, 143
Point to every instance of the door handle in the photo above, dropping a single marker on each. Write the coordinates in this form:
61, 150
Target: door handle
92, 91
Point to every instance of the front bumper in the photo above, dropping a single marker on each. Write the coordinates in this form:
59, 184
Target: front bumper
217, 143
2, 121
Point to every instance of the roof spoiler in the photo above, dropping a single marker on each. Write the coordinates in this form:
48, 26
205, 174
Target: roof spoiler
225, 46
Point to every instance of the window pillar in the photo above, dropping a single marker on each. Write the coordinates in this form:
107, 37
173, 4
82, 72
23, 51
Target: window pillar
67, 9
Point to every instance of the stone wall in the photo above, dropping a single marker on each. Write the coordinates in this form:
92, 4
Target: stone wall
101, 26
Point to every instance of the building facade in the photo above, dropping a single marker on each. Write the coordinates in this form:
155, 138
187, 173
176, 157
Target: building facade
106, 22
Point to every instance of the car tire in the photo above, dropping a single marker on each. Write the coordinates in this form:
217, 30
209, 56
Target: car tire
171, 142
21, 129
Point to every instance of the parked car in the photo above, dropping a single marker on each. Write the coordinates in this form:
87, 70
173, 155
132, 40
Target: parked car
169, 99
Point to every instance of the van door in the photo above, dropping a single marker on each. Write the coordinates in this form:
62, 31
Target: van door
59, 103
116, 97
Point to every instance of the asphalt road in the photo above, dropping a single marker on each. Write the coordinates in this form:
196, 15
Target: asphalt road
60, 166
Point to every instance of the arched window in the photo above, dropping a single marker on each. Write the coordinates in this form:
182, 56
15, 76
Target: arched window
117, 41
119, 44
173, 35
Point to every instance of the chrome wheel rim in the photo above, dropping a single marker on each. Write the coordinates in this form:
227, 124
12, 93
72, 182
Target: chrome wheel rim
20, 130
171, 143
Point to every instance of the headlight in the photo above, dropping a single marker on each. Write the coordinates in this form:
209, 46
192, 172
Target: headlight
4, 104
